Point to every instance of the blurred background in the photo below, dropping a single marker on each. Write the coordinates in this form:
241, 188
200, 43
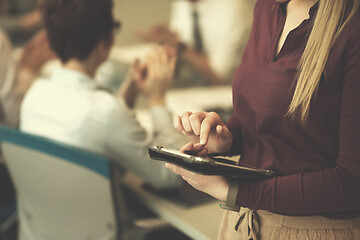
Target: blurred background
139, 14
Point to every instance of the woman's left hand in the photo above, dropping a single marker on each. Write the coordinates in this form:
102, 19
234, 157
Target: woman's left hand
216, 186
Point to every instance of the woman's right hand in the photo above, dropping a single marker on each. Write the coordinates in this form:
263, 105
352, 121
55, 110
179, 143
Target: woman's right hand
206, 130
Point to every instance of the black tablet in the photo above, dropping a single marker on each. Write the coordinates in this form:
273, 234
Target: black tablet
208, 165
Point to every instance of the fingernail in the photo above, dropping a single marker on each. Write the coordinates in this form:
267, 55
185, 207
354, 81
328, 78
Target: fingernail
183, 132
202, 141
167, 165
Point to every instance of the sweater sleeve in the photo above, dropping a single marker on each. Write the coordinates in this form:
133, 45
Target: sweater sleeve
335, 189
234, 128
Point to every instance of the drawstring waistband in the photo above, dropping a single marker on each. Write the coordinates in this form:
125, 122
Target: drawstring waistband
253, 223
261, 224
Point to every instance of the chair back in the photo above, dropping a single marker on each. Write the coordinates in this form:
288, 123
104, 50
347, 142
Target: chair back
62, 192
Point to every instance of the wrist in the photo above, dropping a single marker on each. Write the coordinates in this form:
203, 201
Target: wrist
129, 92
181, 49
130, 100
159, 101
26, 76
30, 70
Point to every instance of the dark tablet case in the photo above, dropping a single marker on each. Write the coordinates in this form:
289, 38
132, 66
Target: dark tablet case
220, 166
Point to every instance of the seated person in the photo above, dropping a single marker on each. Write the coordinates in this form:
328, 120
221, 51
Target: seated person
71, 109
7, 76
210, 36
16, 77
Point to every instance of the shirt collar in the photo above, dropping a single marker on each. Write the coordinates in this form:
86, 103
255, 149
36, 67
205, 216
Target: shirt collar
72, 79
312, 10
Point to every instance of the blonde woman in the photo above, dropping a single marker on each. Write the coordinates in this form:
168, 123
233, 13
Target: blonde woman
296, 101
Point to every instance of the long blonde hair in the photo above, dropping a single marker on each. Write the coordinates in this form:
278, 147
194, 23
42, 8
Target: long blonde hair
329, 22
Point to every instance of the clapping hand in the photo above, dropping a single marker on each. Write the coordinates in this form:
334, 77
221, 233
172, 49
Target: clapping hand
155, 75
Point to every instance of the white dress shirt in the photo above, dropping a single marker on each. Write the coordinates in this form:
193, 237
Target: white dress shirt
68, 108
224, 25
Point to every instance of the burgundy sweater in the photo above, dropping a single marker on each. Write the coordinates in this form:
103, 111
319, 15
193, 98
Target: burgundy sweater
319, 161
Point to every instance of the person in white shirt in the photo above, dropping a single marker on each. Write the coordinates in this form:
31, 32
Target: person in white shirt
17, 76
210, 35
71, 109
7, 79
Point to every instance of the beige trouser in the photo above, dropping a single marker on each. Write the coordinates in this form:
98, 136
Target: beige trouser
263, 225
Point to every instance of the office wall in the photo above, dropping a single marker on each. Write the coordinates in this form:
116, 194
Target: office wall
139, 14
